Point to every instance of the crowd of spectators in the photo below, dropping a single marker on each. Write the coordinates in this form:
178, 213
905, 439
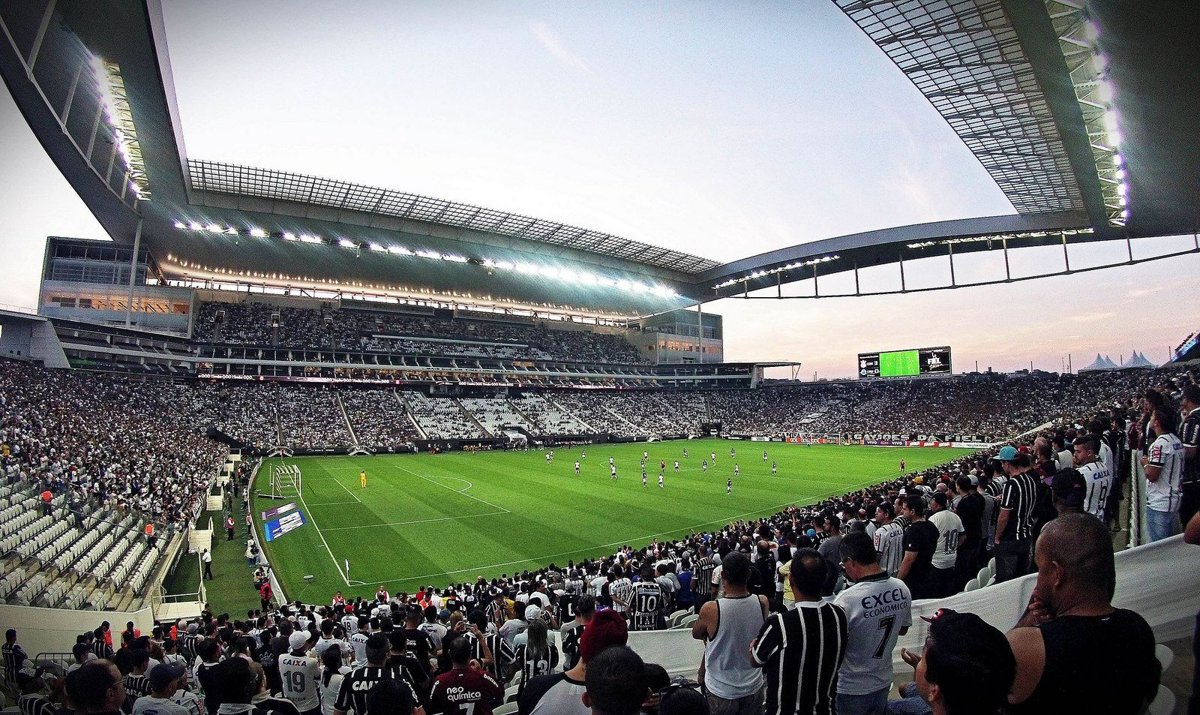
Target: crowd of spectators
121, 444
347, 329
378, 418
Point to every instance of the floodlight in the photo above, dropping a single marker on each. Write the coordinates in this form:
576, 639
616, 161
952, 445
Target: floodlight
399, 251
195, 226
213, 228
347, 243
258, 233
180, 224
230, 230
425, 253
306, 238
454, 259
289, 236
376, 247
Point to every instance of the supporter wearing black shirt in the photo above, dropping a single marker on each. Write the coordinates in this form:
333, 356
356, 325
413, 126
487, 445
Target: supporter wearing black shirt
970, 512
920, 541
358, 682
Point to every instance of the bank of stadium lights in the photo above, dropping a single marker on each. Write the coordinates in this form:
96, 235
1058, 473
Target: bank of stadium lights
566, 275
754, 275
1079, 41
997, 237
115, 101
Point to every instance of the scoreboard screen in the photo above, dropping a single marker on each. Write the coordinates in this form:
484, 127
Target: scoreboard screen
924, 362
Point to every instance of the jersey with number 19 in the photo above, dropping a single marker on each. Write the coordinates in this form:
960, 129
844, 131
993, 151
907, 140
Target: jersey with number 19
300, 675
877, 608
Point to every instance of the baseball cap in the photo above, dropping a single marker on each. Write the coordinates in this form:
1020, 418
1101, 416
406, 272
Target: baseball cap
1007, 454
532, 612
163, 674
297, 640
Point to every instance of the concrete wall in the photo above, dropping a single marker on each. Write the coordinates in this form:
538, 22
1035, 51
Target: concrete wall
53, 630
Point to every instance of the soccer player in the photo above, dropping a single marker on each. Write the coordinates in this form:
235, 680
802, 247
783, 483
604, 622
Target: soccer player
704, 465
713, 456
643, 480
677, 465
548, 458
774, 469
577, 467
611, 461
732, 453
685, 454
362, 478
613, 469
737, 470
902, 465
764, 455
300, 675
660, 480
729, 486
645, 455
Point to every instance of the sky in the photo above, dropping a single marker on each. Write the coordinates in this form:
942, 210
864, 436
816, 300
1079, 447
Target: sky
723, 130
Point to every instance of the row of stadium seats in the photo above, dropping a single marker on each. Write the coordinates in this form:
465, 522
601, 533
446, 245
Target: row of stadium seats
263, 324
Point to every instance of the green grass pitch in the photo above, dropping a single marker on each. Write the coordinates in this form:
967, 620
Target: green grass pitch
437, 519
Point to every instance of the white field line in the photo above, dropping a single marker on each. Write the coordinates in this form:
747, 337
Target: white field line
328, 550
415, 521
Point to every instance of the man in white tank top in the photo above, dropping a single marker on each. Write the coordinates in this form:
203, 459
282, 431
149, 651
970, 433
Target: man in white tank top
729, 624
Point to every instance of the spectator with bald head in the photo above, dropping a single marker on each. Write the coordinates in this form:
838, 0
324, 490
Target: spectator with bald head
1075, 652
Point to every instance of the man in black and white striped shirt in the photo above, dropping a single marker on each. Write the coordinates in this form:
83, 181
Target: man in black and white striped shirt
1014, 525
801, 650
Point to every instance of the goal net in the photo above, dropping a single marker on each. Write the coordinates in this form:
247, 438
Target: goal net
286, 482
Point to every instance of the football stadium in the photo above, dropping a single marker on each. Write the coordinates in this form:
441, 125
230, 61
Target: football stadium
268, 416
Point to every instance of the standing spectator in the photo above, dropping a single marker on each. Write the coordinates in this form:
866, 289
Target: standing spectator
1014, 524
702, 583
572, 631
331, 678
801, 650
1191, 534
164, 680
96, 689
920, 541
616, 683
265, 595
300, 675
646, 602
879, 610
970, 512
466, 689
1070, 619
1095, 474
888, 538
1163, 465
728, 625
951, 537
355, 686
230, 525
829, 551
536, 656
14, 655
559, 694
1189, 434
206, 559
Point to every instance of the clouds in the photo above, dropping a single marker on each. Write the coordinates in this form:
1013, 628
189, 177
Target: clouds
566, 59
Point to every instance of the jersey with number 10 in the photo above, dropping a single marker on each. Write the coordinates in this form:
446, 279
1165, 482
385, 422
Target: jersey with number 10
877, 608
644, 606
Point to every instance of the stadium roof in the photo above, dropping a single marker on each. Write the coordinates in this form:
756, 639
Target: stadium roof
1086, 115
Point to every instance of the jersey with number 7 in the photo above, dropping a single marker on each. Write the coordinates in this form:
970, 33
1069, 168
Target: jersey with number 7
877, 608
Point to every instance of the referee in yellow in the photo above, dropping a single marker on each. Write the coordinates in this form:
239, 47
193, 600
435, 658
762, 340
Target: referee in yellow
362, 478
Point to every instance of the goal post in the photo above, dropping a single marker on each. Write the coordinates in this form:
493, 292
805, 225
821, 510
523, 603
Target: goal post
287, 481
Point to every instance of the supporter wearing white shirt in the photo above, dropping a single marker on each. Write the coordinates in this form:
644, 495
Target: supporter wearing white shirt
300, 675
1163, 464
951, 535
1096, 476
879, 610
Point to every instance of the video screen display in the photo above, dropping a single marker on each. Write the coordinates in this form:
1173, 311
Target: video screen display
923, 362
